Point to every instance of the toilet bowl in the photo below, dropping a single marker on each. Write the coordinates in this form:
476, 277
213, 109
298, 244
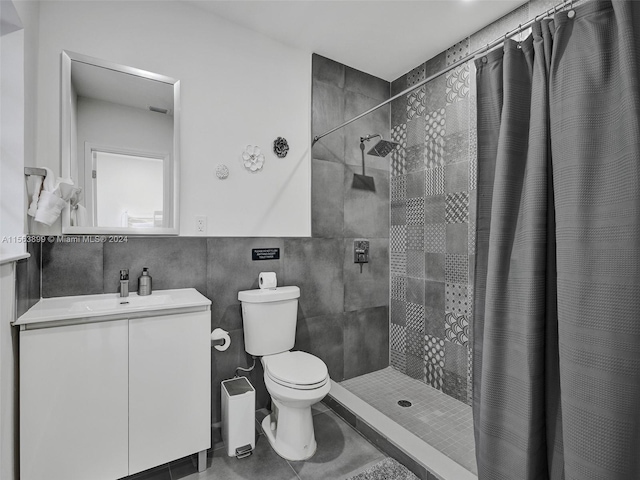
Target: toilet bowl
295, 381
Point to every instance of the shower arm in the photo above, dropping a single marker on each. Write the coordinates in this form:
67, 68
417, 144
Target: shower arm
481, 50
366, 138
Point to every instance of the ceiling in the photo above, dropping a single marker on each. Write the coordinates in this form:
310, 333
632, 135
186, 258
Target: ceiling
385, 38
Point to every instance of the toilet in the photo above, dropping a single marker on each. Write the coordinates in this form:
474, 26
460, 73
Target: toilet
295, 380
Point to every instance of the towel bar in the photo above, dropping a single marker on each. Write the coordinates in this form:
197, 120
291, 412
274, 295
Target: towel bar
35, 171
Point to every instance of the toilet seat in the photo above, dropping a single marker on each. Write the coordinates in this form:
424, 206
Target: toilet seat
297, 370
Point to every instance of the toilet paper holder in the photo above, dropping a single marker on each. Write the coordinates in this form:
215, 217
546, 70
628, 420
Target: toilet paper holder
220, 339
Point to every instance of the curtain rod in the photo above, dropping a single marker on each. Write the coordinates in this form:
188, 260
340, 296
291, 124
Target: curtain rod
466, 58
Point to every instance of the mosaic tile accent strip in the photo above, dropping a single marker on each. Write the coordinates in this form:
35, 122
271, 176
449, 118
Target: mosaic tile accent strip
415, 318
398, 360
415, 343
415, 238
398, 263
397, 337
398, 188
415, 132
472, 236
415, 184
457, 207
415, 367
435, 130
398, 155
457, 87
399, 134
398, 238
469, 375
456, 268
456, 328
434, 153
458, 51
457, 117
398, 311
416, 75
455, 385
414, 160
415, 259
456, 360
457, 299
435, 125
473, 158
415, 211
398, 162
434, 361
435, 237
398, 213
434, 183
399, 288
456, 148
416, 103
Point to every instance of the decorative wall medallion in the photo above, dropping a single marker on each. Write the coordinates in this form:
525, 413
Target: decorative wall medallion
252, 158
222, 172
280, 147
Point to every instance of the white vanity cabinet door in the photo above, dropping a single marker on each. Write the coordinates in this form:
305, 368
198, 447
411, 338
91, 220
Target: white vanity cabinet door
73, 402
169, 388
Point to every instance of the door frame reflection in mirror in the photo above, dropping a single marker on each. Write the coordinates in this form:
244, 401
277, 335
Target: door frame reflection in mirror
171, 184
90, 153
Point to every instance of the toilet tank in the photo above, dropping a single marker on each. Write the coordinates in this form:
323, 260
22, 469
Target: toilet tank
269, 318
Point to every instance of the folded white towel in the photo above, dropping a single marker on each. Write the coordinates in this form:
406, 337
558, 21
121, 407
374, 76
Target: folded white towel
50, 206
55, 193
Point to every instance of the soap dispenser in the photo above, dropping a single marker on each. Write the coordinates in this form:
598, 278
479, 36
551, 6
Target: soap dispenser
144, 282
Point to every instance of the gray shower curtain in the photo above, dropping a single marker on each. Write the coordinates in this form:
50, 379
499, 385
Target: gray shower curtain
557, 304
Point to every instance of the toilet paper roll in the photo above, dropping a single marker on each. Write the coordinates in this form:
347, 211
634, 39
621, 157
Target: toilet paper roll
267, 280
220, 334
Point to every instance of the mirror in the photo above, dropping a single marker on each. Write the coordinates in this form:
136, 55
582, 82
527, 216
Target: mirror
119, 144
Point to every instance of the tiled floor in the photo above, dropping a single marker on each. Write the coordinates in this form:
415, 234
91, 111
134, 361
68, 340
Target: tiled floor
442, 421
342, 452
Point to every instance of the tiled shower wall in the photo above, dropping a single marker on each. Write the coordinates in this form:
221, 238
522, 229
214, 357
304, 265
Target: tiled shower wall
343, 315
433, 212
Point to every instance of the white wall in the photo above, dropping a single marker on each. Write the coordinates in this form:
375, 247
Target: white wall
12, 187
238, 88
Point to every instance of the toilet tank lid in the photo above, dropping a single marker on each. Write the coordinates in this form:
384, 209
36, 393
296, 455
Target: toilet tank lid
263, 295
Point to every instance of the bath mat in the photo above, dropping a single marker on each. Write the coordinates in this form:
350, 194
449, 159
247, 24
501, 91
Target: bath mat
387, 469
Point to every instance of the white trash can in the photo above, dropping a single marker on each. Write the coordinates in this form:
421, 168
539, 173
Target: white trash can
238, 417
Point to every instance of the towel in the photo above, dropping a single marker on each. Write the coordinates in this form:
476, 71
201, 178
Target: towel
55, 193
34, 185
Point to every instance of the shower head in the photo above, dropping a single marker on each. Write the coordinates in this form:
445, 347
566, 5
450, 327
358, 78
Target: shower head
380, 149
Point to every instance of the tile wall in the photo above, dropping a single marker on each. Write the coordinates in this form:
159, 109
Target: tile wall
433, 210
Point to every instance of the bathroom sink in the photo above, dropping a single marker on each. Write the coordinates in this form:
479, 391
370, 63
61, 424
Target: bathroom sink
117, 302
88, 308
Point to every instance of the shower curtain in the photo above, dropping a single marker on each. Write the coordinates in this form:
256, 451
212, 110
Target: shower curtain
557, 307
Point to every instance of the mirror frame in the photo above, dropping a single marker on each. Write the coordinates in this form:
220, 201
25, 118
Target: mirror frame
65, 146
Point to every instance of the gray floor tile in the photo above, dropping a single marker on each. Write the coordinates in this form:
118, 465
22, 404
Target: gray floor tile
341, 450
263, 464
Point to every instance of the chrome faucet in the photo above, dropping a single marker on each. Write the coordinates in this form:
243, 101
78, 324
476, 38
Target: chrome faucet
124, 282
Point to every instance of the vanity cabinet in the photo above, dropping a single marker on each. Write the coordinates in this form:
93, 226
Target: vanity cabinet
73, 402
169, 388
103, 397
